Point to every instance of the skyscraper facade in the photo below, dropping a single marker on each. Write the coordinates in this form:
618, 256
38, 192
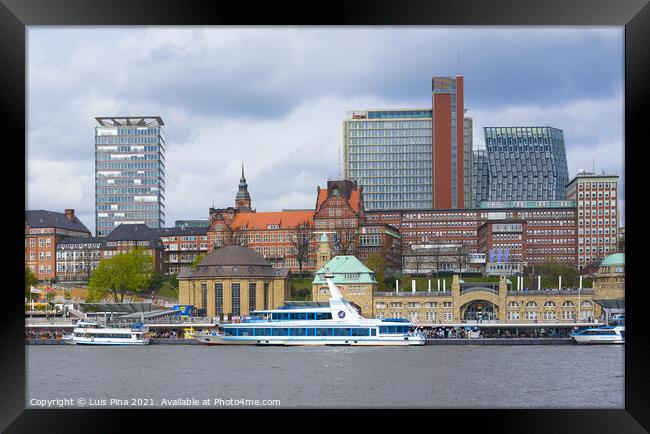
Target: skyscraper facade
412, 158
480, 178
129, 172
448, 135
468, 124
526, 163
389, 153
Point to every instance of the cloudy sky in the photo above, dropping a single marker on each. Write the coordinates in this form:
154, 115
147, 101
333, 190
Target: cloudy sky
276, 98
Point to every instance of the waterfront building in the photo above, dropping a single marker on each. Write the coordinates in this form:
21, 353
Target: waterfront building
129, 172
127, 237
77, 258
412, 158
43, 231
432, 258
182, 245
384, 240
504, 244
458, 302
596, 197
354, 280
233, 281
609, 284
526, 163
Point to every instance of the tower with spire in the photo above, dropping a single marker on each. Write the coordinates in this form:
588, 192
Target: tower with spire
243, 199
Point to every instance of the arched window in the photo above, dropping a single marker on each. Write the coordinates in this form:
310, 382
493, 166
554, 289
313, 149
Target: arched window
531, 305
568, 303
550, 315
586, 304
549, 304
513, 304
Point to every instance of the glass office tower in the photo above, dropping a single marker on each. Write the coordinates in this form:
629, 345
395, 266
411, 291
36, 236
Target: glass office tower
389, 153
526, 163
481, 178
129, 172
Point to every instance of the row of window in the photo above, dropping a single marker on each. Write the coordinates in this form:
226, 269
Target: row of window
305, 331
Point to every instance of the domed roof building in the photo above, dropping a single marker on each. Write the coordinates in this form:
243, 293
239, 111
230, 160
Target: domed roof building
234, 281
609, 284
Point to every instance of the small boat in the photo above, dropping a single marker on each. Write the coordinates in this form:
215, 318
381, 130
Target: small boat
334, 323
600, 335
91, 333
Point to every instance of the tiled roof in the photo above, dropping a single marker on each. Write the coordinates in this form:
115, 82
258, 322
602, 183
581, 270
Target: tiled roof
51, 219
261, 220
132, 232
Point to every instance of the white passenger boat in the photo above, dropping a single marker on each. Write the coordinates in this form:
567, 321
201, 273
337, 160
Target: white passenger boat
336, 323
600, 335
91, 333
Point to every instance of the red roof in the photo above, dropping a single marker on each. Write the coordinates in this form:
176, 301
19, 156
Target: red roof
261, 220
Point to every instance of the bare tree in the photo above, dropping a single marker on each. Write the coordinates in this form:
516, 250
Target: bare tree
301, 238
231, 236
347, 240
461, 258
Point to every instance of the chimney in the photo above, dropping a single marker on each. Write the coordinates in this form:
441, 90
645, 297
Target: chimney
69, 214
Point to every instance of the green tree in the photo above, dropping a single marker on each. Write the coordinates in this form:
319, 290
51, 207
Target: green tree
194, 263
30, 280
378, 265
127, 273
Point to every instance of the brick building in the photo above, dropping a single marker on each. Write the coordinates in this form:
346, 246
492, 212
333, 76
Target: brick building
127, 237
77, 257
182, 245
43, 231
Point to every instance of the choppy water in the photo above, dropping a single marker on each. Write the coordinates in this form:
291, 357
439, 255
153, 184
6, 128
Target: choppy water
433, 376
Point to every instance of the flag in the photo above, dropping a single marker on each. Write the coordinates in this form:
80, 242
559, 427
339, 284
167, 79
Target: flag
49, 289
34, 290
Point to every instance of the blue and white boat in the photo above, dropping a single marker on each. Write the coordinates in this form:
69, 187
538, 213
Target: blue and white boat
334, 323
600, 335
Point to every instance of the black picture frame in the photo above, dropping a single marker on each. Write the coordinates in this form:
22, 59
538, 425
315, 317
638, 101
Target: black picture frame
15, 15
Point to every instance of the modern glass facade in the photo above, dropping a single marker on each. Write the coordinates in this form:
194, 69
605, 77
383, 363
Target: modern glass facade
480, 178
129, 172
468, 124
526, 163
388, 152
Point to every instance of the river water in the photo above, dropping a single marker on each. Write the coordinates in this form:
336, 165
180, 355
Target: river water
432, 376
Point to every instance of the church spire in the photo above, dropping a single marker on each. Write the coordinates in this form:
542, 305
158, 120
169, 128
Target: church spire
243, 198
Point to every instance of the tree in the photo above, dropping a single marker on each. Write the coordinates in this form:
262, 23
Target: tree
378, 265
231, 236
126, 273
30, 280
302, 235
461, 257
347, 239
196, 261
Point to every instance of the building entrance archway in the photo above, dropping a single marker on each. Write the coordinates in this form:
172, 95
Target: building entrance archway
480, 310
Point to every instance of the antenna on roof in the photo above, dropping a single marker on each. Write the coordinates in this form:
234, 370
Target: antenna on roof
458, 66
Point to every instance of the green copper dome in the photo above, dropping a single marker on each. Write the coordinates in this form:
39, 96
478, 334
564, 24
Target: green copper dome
615, 259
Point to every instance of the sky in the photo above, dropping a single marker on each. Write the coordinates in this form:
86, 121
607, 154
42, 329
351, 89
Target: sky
275, 99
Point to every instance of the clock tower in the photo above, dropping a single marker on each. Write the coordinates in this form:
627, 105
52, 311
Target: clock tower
243, 199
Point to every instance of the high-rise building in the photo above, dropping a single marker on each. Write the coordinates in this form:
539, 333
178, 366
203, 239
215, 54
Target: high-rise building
480, 178
526, 163
596, 199
448, 133
129, 172
412, 158
468, 124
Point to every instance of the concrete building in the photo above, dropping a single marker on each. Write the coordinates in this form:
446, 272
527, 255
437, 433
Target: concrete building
412, 158
129, 172
43, 232
596, 198
526, 163
233, 281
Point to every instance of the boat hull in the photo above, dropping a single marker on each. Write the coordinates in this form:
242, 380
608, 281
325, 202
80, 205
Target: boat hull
386, 341
598, 340
101, 342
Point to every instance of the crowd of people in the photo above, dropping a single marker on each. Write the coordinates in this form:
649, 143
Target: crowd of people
475, 332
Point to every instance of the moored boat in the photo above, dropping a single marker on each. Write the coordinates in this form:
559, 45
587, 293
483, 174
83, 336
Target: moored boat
333, 323
600, 335
92, 333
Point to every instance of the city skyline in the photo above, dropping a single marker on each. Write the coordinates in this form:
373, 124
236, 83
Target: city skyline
292, 87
